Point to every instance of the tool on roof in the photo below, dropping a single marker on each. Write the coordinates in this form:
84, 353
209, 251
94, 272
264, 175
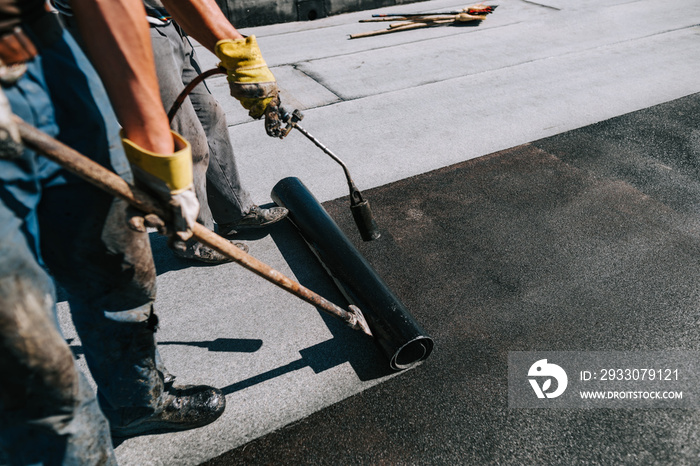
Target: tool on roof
472, 14
479, 9
110, 182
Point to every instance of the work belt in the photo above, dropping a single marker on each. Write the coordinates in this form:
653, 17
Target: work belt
16, 47
23, 43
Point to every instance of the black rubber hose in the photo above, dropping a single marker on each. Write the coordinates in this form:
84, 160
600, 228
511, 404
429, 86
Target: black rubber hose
186, 91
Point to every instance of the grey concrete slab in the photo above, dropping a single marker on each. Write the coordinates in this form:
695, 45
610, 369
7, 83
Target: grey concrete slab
297, 91
225, 327
394, 135
351, 18
549, 72
473, 50
280, 360
302, 44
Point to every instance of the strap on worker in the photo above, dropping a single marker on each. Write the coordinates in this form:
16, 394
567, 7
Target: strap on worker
23, 43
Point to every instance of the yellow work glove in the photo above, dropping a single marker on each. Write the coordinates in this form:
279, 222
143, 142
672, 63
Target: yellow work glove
249, 78
170, 178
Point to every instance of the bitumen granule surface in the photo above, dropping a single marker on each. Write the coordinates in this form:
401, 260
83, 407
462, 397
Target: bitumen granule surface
585, 241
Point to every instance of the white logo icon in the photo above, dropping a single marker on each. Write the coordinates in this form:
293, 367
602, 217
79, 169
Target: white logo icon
543, 369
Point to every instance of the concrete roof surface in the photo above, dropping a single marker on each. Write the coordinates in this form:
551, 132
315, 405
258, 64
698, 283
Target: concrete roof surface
518, 213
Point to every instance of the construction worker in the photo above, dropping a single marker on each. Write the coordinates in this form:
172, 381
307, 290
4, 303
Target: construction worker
52, 220
200, 119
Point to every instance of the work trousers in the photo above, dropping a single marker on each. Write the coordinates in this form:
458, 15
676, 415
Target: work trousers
52, 220
202, 121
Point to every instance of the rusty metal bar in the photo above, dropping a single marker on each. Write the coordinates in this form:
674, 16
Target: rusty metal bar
110, 182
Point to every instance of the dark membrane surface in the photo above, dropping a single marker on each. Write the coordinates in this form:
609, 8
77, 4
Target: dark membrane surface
585, 241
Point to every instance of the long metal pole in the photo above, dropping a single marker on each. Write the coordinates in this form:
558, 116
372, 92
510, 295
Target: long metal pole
110, 182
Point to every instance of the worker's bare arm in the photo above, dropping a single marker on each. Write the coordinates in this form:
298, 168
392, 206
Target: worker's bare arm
203, 20
119, 45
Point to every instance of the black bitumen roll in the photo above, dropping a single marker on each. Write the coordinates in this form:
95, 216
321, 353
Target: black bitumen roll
398, 334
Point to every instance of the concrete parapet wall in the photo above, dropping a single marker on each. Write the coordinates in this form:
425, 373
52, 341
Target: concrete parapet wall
249, 13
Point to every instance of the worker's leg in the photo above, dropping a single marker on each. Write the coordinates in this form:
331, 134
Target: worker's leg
167, 49
117, 276
48, 413
230, 203
170, 61
228, 200
108, 272
106, 268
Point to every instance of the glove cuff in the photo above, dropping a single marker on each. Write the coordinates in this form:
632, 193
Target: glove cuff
175, 170
239, 53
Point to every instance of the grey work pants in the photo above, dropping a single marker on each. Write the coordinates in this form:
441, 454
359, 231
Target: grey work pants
48, 412
202, 121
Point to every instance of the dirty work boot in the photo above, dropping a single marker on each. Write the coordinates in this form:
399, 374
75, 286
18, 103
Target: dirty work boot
184, 407
202, 253
255, 218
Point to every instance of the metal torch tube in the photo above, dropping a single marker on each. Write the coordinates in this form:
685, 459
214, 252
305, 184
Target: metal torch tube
398, 334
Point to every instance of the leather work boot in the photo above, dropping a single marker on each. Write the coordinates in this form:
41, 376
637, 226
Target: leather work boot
185, 407
255, 218
202, 253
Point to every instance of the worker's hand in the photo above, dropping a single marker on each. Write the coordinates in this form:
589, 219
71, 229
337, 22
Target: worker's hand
169, 177
10, 141
273, 119
249, 78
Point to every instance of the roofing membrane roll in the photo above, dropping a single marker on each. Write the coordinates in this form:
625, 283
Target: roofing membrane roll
396, 331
